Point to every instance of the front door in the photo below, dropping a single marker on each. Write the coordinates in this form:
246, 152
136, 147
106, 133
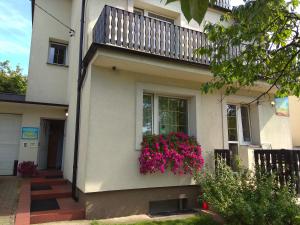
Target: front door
55, 144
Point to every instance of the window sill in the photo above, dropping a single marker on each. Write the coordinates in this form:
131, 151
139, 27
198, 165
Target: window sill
54, 64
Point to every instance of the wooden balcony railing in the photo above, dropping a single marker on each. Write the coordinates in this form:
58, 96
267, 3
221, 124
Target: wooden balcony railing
225, 4
120, 28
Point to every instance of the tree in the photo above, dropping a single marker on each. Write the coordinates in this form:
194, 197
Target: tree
12, 80
257, 41
194, 9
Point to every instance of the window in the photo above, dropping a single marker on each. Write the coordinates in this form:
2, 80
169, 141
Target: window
238, 123
138, 11
245, 123
232, 123
147, 114
172, 114
159, 17
142, 12
57, 53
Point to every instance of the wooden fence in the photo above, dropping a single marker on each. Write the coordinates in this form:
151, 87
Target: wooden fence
127, 30
223, 154
283, 164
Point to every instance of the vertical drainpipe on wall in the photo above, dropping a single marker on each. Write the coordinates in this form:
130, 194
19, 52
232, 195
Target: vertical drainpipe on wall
81, 74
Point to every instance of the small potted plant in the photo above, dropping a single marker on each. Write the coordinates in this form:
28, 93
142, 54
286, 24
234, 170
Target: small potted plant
27, 169
202, 203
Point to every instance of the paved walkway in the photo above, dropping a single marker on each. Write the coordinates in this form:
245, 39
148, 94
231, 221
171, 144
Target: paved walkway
9, 192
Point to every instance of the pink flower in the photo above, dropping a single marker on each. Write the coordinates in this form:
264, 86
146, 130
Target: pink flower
176, 151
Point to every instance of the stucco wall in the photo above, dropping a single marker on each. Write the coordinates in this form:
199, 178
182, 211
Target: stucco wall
274, 130
294, 108
93, 10
111, 155
31, 117
46, 82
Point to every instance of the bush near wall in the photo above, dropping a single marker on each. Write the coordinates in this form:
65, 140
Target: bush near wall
245, 198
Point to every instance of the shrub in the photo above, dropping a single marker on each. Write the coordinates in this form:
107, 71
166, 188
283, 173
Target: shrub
27, 169
177, 151
243, 198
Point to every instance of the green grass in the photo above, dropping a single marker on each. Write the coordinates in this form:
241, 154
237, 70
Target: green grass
197, 220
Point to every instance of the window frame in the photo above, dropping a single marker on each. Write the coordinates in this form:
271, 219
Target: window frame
155, 15
66, 53
240, 138
156, 109
194, 107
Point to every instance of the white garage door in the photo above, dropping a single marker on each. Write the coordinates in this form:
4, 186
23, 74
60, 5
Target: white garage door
10, 131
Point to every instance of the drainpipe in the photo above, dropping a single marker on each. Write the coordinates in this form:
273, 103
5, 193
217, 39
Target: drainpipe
81, 73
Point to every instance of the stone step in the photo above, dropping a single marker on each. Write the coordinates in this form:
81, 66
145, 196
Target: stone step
56, 191
54, 181
68, 210
50, 173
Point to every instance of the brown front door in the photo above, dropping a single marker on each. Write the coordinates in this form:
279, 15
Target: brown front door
55, 142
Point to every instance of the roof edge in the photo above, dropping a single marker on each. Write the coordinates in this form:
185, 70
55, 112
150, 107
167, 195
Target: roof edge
36, 103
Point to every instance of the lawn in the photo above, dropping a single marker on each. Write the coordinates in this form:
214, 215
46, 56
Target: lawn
197, 220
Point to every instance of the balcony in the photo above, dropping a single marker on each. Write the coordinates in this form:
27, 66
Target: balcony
128, 31
223, 4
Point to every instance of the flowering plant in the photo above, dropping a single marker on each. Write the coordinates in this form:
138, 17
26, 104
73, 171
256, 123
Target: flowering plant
27, 169
177, 151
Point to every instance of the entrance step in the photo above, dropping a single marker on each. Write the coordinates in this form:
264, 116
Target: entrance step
50, 173
44, 181
56, 191
68, 210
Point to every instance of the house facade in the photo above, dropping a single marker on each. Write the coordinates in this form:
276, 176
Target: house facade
141, 77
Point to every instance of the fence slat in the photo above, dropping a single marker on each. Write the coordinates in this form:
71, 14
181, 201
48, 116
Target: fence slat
125, 28
119, 24
113, 25
136, 32
147, 41
162, 38
142, 33
130, 28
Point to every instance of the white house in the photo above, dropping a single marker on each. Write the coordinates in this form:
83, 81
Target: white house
135, 52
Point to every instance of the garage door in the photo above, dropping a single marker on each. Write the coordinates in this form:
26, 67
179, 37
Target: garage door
10, 131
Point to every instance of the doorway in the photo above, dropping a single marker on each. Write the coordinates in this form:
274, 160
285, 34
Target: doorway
51, 144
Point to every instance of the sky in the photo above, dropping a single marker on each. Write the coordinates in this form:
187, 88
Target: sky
15, 31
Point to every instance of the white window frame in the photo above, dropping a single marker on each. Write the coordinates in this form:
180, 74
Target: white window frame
155, 109
146, 13
193, 107
66, 54
240, 134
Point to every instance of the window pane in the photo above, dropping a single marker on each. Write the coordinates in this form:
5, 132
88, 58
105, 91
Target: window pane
159, 17
138, 11
163, 104
57, 54
232, 135
147, 114
172, 115
232, 123
51, 55
245, 123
